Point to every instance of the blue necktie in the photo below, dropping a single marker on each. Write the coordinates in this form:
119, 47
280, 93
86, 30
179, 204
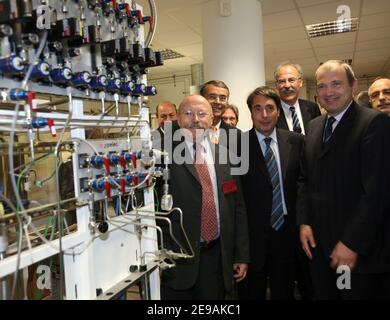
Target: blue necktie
277, 216
295, 121
328, 129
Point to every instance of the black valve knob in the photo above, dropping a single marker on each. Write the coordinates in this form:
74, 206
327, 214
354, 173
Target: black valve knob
103, 227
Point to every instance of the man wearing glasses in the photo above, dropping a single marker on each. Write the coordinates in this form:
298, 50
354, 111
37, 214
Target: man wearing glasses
214, 214
295, 113
379, 94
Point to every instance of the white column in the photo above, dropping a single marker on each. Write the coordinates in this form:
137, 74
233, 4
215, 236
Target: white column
233, 49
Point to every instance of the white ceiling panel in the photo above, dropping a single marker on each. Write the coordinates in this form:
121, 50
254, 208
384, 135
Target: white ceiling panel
274, 6
190, 16
328, 11
274, 36
375, 21
348, 47
183, 38
375, 6
310, 3
334, 40
282, 20
379, 34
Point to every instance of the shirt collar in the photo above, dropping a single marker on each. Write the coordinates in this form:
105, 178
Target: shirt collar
341, 114
261, 137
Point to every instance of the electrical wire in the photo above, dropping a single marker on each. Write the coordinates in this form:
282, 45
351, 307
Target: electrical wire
10, 152
19, 244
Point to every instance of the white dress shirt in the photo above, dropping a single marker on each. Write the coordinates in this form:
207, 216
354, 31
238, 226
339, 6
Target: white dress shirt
287, 113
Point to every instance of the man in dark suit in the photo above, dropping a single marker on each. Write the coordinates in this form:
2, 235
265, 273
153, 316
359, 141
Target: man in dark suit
343, 202
267, 190
217, 93
211, 200
379, 95
165, 111
295, 113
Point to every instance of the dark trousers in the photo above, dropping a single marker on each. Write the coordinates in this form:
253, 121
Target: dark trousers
278, 268
326, 281
209, 284
302, 273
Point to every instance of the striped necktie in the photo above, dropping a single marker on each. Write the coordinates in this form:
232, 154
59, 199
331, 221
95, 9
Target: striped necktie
328, 129
277, 216
295, 120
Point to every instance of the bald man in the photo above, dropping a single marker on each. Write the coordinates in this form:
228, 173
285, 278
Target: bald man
214, 212
379, 94
166, 114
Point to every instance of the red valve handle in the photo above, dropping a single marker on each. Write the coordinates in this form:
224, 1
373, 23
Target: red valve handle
123, 162
108, 189
134, 160
50, 123
31, 100
123, 186
106, 162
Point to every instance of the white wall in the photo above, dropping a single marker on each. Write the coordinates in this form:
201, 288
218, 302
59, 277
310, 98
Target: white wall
170, 87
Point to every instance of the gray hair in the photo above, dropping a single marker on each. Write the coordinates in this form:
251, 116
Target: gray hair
290, 64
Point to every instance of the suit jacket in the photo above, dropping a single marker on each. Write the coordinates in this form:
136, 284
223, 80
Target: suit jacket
344, 186
158, 136
309, 111
187, 194
229, 141
258, 190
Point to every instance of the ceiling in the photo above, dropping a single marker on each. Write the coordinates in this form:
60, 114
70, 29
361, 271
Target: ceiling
179, 28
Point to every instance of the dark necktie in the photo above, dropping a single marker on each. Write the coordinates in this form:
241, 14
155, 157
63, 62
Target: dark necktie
277, 216
209, 224
328, 129
295, 120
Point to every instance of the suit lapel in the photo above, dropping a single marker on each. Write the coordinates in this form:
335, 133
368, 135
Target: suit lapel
341, 129
304, 112
188, 163
284, 151
282, 122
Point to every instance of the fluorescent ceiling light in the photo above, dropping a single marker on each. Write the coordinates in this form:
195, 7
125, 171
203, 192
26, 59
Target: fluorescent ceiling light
170, 54
332, 27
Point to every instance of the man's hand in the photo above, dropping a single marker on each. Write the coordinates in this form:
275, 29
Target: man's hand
307, 239
342, 255
239, 271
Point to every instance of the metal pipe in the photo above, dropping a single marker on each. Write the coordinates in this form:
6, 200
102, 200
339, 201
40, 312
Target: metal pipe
35, 209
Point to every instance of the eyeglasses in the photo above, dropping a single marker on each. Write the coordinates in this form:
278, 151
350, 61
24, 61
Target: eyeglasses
289, 80
190, 114
375, 95
214, 97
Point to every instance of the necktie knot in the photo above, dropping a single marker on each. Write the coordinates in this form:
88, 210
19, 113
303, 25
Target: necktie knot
329, 128
295, 120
